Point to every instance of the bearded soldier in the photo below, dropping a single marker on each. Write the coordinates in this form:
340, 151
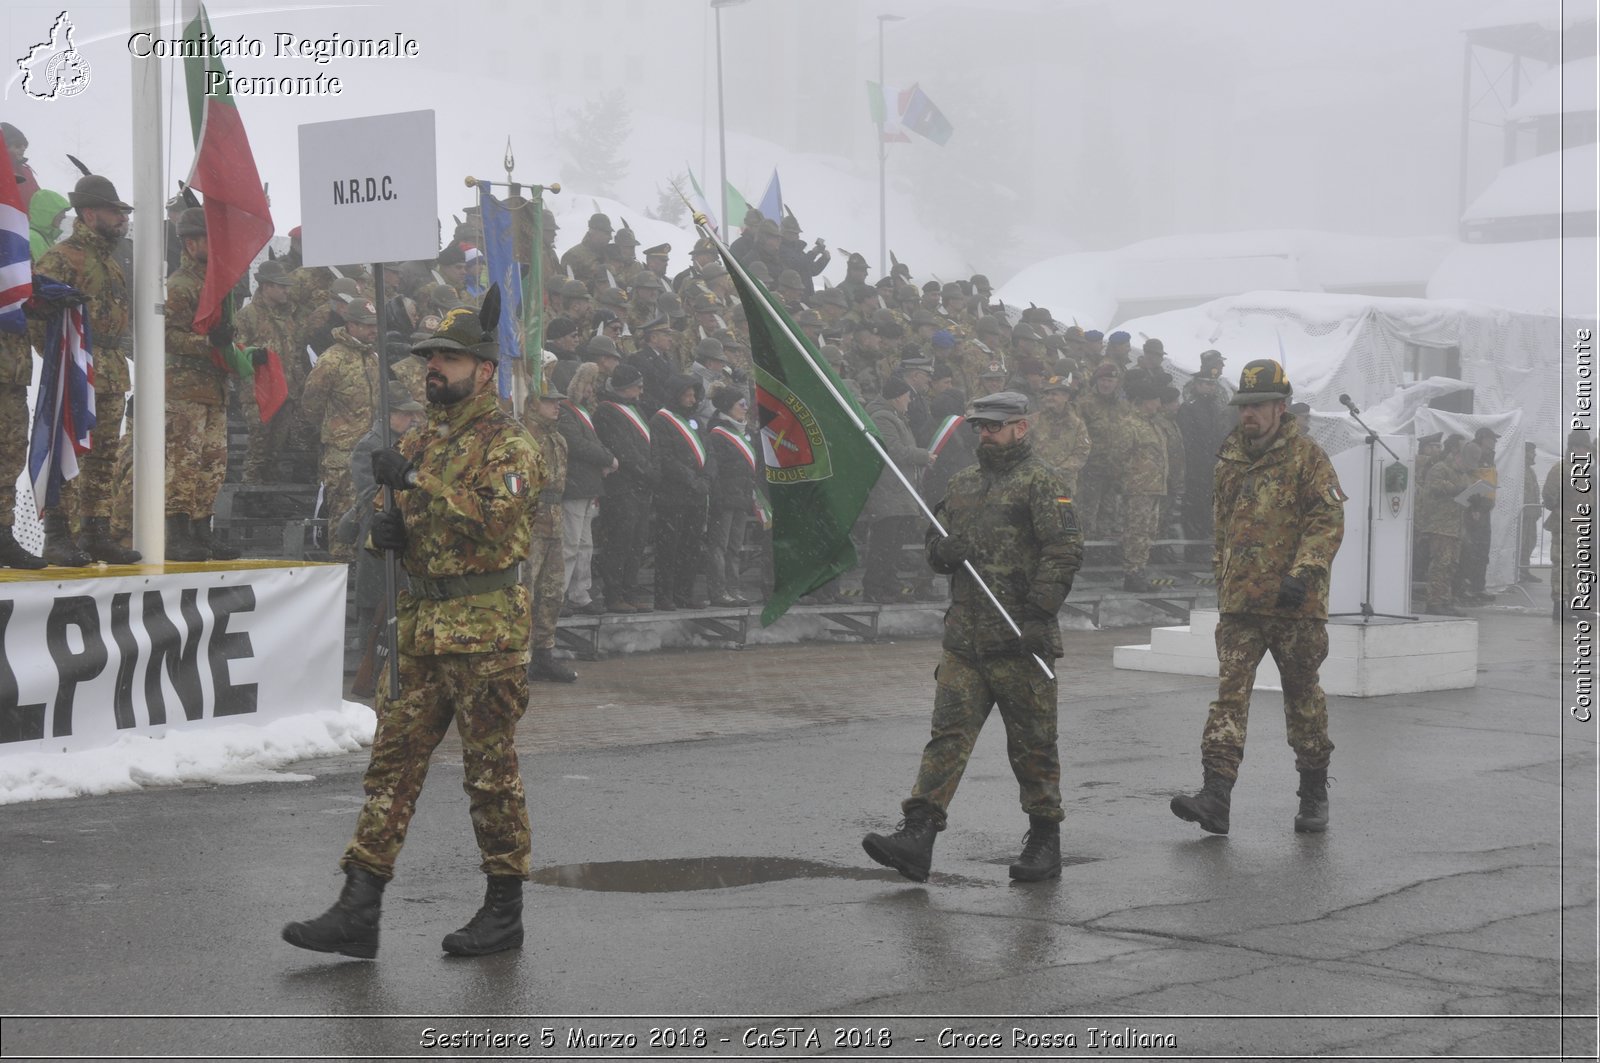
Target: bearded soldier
1279, 520
465, 487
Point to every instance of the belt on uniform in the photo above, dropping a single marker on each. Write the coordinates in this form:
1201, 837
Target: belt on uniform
437, 590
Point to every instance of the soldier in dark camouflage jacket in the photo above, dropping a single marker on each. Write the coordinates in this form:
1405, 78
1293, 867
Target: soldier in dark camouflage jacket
1011, 518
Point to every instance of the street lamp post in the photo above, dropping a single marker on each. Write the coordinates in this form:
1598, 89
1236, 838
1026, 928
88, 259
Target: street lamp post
883, 155
722, 128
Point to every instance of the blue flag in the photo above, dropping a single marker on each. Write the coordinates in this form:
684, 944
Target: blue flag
499, 249
772, 199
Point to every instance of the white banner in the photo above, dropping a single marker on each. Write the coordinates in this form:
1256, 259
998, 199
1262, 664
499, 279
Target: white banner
85, 661
369, 190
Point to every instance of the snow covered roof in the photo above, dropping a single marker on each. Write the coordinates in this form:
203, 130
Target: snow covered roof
1564, 89
1536, 187
1202, 267
1529, 276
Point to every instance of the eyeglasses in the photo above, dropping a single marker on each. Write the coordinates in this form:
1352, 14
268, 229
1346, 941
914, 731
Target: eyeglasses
981, 427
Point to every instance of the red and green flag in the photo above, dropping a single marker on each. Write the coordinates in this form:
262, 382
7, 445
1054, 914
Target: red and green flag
238, 220
817, 460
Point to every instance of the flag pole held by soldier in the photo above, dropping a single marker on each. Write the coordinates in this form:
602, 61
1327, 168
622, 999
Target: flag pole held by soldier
734, 266
391, 632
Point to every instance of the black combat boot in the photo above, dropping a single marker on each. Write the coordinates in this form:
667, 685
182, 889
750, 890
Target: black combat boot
1209, 807
350, 927
59, 546
100, 545
1313, 815
1041, 852
909, 850
200, 529
543, 665
180, 543
13, 554
497, 926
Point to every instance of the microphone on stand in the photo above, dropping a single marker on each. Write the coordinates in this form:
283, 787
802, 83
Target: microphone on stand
1345, 399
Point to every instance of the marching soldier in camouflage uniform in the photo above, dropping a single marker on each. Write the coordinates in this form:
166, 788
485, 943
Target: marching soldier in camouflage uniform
197, 406
1060, 437
466, 487
268, 323
1443, 521
341, 397
87, 261
546, 578
1011, 518
1143, 452
1279, 522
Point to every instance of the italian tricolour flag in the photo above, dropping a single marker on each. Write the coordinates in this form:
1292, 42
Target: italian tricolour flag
238, 221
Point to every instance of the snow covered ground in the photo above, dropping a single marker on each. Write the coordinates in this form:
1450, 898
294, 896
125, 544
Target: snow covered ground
225, 754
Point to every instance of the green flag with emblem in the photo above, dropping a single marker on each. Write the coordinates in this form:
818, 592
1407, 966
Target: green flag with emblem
816, 458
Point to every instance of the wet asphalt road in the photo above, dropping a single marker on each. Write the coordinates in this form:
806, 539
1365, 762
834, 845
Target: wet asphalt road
697, 822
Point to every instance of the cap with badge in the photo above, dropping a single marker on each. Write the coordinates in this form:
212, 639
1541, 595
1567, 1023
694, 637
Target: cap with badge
358, 312
92, 190
658, 251
995, 371
272, 271
1055, 383
465, 329
1262, 380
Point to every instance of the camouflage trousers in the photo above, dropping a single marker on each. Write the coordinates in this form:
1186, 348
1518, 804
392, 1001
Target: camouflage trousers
1298, 647
90, 493
1444, 552
545, 576
13, 445
1096, 502
197, 457
273, 443
1141, 521
486, 694
967, 688
338, 495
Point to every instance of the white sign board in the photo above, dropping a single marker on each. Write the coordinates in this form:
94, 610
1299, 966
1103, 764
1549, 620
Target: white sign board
1363, 473
83, 662
369, 190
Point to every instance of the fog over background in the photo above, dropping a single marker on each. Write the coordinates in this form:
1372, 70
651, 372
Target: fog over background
1079, 124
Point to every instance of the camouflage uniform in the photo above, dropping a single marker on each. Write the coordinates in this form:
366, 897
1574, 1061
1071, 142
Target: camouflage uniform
586, 263
463, 654
308, 301
341, 395
257, 325
86, 260
1277, 514
197, 402
1442, 522
546, 577
1144, 487
16, 373
1014, 512
1098, 487
1061, 440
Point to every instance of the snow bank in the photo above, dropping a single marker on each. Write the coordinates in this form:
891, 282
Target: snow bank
226, 754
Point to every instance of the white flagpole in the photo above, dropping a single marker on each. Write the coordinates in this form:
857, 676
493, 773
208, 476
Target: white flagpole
149, 333
735, 267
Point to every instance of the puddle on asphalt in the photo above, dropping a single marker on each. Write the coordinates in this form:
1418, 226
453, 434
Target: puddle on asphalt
711, 873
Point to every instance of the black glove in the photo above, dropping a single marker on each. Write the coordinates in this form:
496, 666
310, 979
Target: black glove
1291, 593
1036, 638
388, 530
391, 469
221, 335
951, 550
42, 306
258, 357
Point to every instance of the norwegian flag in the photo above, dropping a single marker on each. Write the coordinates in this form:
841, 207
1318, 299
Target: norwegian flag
16, 265
63, 417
